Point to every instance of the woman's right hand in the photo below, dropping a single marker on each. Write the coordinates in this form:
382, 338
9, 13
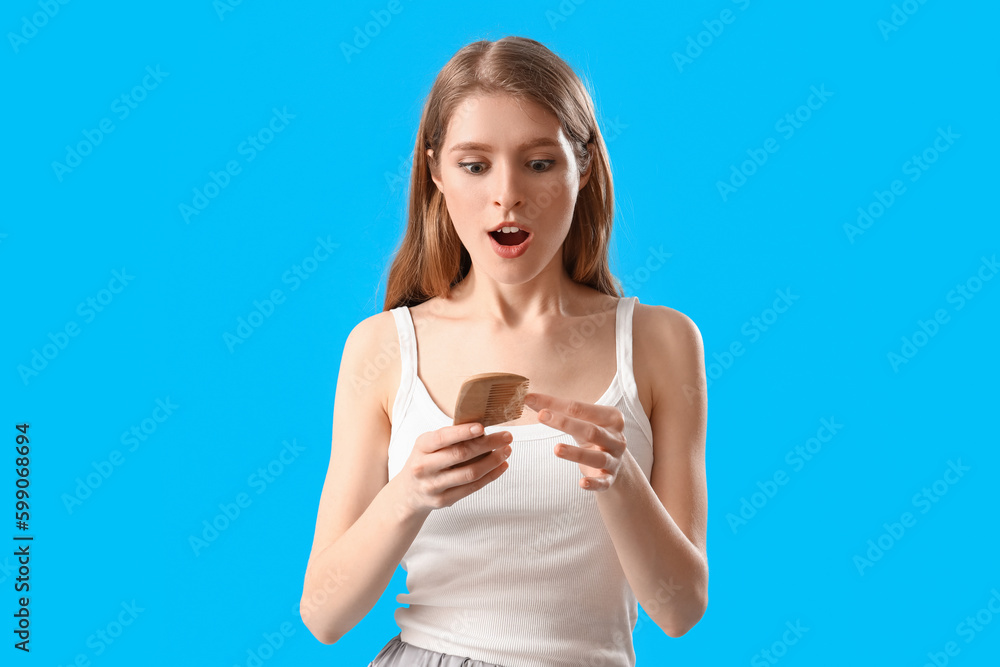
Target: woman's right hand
451, 462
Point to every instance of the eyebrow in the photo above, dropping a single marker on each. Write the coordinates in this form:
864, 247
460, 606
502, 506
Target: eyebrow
476, 146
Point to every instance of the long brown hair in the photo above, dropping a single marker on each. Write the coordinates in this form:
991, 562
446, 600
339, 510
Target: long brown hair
431, 258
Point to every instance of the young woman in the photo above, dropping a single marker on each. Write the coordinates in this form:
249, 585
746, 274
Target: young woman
530, 542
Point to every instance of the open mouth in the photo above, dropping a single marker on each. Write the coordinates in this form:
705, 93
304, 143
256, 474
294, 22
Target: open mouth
510, 238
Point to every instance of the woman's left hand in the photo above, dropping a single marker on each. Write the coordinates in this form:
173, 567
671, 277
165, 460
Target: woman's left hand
599, 428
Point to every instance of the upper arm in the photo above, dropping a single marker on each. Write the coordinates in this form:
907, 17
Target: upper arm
675, 358
359, 453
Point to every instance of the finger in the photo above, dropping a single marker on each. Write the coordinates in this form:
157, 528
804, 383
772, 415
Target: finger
474, 459
602, 415
601, 483
468, 474
457, 493
584, 432
595, 458
449, 435
467, 451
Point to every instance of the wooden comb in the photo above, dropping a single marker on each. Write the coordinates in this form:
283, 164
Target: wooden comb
491, 398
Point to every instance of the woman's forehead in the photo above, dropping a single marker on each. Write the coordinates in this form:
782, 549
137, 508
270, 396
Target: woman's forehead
502, 122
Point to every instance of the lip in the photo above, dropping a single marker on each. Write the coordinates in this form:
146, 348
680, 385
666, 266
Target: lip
510, 251
509, 223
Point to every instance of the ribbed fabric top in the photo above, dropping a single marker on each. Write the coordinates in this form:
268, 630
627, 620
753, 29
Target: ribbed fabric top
522, 572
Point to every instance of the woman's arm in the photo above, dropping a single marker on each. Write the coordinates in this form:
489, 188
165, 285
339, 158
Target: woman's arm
659, 526
364, 524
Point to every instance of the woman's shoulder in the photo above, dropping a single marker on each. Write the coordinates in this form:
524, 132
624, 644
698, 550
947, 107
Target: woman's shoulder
374, 328
664, 319
665, 328
370, 357
665, 337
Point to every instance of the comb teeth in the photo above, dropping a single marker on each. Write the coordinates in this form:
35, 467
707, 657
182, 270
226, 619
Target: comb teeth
491, 398
506, 401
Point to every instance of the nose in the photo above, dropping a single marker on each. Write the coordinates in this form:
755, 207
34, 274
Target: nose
509, 194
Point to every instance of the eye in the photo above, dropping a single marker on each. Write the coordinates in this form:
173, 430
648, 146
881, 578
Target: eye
476, 168
463, 165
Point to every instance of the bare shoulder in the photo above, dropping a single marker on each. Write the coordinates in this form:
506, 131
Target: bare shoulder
370, 360
668, 352
358, 466
375, 328
669, 325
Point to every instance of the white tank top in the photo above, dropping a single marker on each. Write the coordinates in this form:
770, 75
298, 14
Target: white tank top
522, 572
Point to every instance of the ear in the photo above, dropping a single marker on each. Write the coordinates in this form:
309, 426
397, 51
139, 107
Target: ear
434, 169
585, 176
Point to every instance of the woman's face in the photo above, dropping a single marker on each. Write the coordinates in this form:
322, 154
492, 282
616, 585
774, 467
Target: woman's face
508, 162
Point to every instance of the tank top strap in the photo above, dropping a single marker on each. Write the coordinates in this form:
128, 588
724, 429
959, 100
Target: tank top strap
407, 354
623, 338
626, 372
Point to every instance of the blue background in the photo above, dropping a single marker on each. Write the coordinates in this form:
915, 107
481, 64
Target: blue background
674, 131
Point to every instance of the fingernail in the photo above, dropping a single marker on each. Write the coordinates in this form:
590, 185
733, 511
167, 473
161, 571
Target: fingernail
508, 436
476, 429
507, 450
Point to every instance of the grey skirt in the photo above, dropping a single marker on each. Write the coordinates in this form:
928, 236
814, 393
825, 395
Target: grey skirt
398, 653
